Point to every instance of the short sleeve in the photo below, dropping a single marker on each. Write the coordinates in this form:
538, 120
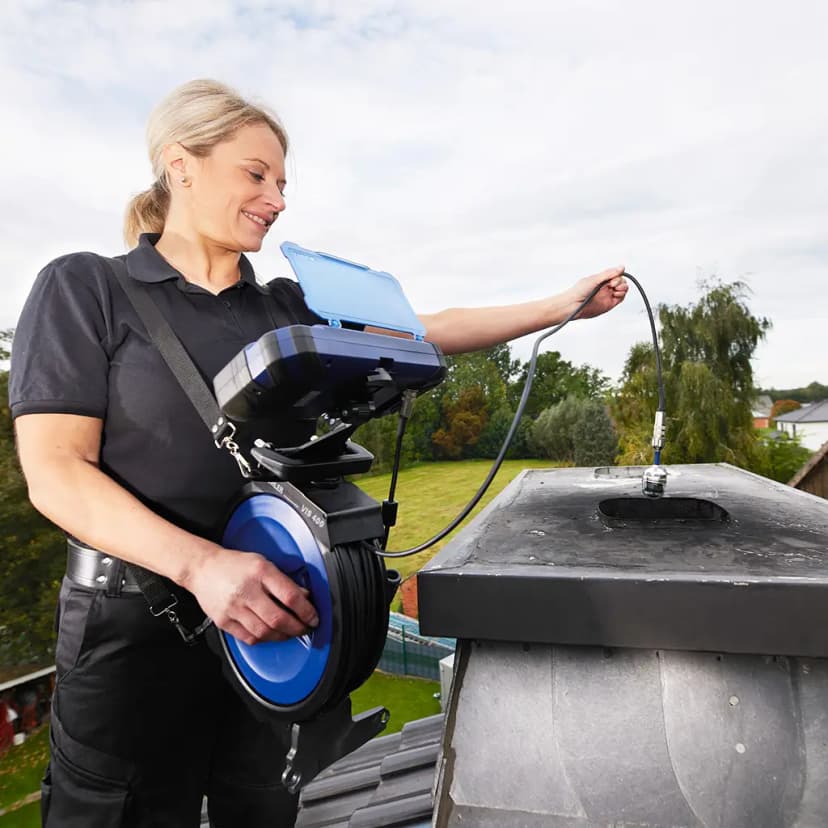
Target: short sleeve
59, 361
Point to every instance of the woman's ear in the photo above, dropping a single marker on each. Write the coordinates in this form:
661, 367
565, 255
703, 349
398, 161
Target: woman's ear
175, 162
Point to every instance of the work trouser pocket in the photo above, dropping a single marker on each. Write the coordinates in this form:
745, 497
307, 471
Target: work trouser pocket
82, 787
76, 605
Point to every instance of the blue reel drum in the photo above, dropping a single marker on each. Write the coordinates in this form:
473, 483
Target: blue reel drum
332, 556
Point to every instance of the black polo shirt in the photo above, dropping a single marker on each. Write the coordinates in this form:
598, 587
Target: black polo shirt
80, 348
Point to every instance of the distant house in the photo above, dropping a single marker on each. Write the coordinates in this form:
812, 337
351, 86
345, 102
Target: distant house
761, 409
813, 476
809, 423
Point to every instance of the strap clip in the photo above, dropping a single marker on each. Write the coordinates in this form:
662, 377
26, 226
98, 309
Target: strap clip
189, 636
223, 432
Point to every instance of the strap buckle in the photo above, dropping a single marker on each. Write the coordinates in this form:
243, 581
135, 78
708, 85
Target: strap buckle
223, 432
156, 613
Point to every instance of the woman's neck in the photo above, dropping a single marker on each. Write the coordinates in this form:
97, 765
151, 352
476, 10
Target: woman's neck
209, 266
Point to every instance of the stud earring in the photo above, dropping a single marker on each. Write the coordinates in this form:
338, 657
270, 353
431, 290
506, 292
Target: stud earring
185, 180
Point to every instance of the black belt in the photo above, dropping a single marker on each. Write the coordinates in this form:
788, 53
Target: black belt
90, 568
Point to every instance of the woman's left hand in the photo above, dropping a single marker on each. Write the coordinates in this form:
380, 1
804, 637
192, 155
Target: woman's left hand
612, 292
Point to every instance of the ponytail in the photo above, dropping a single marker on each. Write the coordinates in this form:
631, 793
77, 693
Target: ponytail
146, 213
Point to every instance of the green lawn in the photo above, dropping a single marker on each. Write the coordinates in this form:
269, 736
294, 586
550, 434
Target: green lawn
26, 817
20, 772
431, 495
405, 697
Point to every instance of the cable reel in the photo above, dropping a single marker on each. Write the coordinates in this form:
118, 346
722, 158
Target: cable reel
333, 556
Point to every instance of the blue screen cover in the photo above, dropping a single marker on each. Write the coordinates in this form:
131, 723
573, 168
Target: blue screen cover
343, 291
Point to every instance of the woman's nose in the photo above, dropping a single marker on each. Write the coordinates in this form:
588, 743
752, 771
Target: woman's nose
276, 200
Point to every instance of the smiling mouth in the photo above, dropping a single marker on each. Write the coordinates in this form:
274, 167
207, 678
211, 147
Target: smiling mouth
265, 225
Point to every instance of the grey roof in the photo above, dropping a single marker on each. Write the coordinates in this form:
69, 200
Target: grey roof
387, 782
814, 413
762, 405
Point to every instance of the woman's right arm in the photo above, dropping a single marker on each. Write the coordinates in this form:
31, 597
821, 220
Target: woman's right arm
59, 456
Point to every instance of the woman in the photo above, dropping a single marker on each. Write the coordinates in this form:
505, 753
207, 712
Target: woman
114, 453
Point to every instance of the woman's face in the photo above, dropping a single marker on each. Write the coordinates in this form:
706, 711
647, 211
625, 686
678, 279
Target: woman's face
237, 191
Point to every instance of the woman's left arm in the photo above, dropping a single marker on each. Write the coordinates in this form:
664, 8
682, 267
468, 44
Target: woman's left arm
458, 330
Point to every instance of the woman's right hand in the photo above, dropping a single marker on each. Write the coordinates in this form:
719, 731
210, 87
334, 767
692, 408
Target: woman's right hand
250, 598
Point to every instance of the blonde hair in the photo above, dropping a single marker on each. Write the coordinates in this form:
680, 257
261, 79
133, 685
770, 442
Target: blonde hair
198, 115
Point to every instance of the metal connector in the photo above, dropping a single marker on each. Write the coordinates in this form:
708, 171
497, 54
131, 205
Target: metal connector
407, 407
658, 431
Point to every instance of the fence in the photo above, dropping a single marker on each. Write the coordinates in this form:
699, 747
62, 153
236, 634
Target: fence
408, 654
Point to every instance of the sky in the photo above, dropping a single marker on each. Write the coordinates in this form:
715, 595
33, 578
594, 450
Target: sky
484, 153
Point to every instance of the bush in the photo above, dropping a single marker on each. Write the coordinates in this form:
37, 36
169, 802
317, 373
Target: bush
593, 436
779, 456
575, 430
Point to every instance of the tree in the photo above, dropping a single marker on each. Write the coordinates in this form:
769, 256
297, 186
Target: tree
634, 405
32, 554
707, 349
461, 417
466, 417
783, 407
555, 379
813, 392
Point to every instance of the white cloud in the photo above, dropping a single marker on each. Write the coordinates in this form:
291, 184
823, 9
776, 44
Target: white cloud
481, 152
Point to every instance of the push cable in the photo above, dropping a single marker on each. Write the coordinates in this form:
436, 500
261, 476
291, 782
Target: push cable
527, 387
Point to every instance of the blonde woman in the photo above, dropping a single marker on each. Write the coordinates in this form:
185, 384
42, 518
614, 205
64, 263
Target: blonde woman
114, 453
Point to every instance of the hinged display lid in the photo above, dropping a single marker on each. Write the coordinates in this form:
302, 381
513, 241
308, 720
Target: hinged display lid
342, 291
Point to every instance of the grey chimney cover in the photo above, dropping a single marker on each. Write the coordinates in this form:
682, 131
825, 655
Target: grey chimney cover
727, 562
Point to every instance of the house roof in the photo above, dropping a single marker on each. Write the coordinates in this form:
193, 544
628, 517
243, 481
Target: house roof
814, 413
386, 782
813, 461
762, 405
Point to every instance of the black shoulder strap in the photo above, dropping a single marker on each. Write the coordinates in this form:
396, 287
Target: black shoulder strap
156, 589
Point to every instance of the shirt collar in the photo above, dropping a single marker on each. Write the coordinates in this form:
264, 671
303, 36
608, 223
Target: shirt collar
146, 264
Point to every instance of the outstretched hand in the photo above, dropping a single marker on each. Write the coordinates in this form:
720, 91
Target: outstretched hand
250, 598
612, 292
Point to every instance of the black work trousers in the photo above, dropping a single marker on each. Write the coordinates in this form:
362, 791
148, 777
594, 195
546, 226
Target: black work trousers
143, 726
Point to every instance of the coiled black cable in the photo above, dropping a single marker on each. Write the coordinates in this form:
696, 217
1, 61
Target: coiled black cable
363, 603
527, 387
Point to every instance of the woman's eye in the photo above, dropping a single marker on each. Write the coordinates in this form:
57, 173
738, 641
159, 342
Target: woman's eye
256, 176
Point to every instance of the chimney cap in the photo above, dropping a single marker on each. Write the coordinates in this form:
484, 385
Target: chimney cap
578, 556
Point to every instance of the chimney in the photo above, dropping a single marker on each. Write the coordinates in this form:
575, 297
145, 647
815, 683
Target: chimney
627, 661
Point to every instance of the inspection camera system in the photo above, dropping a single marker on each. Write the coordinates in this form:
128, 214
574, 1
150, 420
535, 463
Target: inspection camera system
300, 513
